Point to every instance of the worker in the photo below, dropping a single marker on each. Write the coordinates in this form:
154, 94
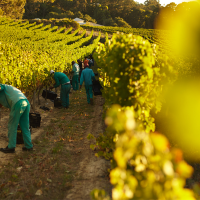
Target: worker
81, 67
87, 76
75, 71
62, 79
15, 100
86, 62
91, 58
91, 61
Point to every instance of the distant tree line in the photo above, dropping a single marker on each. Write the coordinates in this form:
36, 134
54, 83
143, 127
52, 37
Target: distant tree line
122, 13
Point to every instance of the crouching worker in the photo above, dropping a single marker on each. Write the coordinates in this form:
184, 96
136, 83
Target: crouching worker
87, 76
15, 100
62, 79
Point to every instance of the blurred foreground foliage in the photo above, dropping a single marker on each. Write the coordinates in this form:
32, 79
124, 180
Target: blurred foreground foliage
146, 168
135, 75
179, 117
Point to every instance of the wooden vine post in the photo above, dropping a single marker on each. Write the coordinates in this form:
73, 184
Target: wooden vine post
34, 100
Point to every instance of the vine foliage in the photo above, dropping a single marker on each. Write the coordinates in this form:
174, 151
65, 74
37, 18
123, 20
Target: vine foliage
133, 73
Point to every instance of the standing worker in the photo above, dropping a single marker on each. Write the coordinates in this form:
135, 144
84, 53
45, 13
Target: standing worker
87, 76
91, 61
86, 62
62, 79
81, 67
75, 71
15, 100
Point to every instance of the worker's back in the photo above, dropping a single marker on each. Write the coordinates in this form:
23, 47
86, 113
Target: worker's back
87, 76
10, 95
60, 78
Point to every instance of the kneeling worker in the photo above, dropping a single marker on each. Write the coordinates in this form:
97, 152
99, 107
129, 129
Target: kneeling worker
15, 100
62, 79
87, 76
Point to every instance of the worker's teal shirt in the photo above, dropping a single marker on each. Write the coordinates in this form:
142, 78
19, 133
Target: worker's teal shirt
75, 69
60, 78
10, 95
87, 75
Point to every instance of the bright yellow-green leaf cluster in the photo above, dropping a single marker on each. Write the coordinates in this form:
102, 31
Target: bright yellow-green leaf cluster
132, 72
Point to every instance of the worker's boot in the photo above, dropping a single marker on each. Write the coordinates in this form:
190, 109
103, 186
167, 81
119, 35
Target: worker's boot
7, 150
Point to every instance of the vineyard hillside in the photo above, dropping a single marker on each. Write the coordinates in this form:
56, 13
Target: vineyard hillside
131, 143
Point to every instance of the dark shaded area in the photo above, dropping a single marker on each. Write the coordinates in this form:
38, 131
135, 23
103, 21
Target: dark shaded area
124, 13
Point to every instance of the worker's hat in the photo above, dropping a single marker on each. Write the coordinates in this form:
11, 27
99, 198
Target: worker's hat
51, 72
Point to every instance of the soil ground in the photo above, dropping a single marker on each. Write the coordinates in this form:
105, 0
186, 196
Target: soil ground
62, 165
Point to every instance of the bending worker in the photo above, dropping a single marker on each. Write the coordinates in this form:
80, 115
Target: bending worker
62, 79
75, 71
15, 100
87, 76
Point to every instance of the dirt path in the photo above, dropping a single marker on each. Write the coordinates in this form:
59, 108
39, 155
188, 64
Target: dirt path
92, 171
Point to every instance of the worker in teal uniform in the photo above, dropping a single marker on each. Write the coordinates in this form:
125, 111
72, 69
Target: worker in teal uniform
91, 61
87, 76
75, 71
15, 100
62, 79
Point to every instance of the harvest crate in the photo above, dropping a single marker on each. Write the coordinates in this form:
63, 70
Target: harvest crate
96, 87
49, 94
34, 120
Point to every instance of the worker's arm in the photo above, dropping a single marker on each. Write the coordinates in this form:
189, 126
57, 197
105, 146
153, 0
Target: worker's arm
57, 81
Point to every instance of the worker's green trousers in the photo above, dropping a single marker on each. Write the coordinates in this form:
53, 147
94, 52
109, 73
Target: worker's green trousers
75, 84
89, 92
19, 114
64, 95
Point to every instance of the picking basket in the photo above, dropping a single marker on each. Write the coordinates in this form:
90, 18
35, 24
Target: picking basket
49, 94
34, 120
96, 87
